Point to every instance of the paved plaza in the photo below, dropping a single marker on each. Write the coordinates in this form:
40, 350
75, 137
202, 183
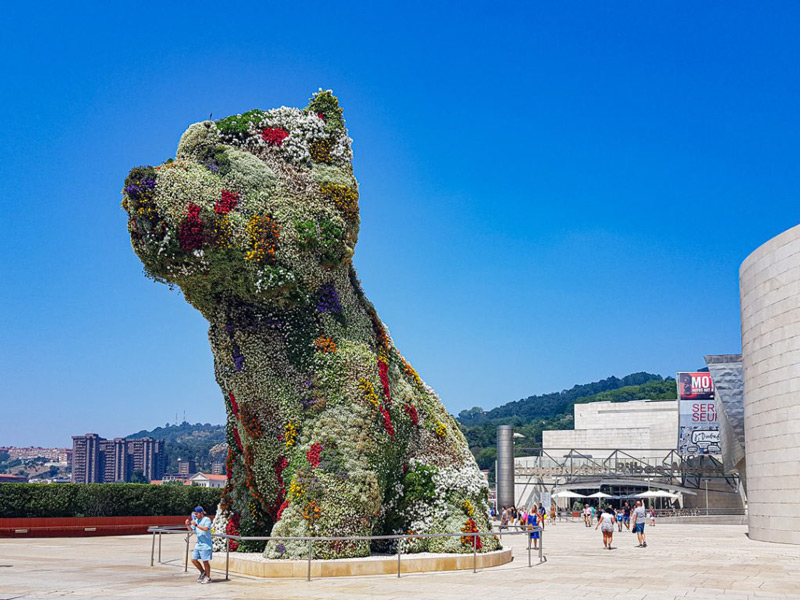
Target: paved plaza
682, 560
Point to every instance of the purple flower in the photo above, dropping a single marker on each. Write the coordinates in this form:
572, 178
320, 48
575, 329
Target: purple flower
328, 299
280, 548
238, 359
135, 190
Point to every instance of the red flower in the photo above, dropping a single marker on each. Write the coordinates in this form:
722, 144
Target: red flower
387, 421
280, 465
274, 136
190, 231
321, 116
412, 413
234, 406
232, 528
383, 372
314, 455
226, 203
281, 509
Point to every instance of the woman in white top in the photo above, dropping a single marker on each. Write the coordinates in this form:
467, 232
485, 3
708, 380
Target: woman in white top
606, 522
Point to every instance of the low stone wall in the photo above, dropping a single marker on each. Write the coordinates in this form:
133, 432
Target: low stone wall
255, 565
705, 520
83, 526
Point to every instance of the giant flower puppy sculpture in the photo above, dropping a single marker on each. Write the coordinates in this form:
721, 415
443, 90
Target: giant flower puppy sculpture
330, 431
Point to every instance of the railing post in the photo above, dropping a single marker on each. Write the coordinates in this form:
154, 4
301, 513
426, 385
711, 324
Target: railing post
227, 555
153, 549
159, 547
309, 559
474, 553
398, 556
541, 543
529, 550
186, 562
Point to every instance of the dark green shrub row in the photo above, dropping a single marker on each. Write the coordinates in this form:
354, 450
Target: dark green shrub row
32, 500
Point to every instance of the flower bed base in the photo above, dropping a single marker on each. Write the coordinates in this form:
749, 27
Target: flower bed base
255, 565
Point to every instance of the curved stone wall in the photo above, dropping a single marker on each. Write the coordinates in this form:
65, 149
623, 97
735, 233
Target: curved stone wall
769, 281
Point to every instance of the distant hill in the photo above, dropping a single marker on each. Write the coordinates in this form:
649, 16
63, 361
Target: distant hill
187, 441
534, 414
550, 405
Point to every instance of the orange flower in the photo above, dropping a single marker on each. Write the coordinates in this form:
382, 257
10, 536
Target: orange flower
325, 345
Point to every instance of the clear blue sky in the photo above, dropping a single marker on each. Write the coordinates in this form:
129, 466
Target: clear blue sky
551, 193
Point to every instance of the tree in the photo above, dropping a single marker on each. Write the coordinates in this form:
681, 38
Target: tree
138, 477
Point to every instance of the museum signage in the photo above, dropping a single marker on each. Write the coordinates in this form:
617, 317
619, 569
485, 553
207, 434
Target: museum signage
698, 427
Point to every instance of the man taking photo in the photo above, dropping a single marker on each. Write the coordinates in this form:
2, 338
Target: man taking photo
200, 524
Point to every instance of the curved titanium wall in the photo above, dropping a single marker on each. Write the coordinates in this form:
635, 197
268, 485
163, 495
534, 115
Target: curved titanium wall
769, 281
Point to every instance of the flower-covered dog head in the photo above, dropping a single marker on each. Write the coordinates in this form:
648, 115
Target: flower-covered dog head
255, 207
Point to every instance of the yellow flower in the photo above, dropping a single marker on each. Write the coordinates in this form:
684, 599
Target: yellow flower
368, 392
296, 490
344, 197
290, 434
263, 233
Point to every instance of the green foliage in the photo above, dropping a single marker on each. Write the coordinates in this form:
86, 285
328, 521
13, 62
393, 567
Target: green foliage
326, 104
187, 441
31, 500
553, 411
138, 477
419, 485
551, 405
239, 125
324, 238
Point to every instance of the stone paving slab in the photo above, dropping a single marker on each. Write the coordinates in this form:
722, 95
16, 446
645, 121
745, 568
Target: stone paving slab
682, 561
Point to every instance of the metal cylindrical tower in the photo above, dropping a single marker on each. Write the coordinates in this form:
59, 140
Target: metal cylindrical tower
505, 465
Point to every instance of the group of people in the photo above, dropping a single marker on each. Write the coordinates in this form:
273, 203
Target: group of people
632, 519
532, 520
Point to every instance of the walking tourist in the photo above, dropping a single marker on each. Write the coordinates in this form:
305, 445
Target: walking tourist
605, 521
200, 524
587, 514
533, 526
591, 516
653, 517
619, 519
639, 518
504, 519
626, 515
553, 513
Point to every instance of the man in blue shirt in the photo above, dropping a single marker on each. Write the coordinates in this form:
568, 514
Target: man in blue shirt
200, 524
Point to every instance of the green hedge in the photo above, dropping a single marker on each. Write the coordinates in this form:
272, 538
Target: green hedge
30, 500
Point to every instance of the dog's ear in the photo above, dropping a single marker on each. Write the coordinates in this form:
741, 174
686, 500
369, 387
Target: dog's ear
326, 106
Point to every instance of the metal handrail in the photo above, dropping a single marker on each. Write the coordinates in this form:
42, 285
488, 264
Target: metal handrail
171, 529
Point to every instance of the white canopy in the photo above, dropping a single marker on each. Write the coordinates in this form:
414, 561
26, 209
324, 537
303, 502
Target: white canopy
657, 494
599, 495
567, 494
